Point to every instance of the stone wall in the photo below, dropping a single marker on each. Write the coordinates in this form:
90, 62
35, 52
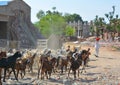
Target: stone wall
19, 26
82, 29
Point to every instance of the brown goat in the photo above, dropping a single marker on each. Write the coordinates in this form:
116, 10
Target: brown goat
20, 66
2, 55
31, 62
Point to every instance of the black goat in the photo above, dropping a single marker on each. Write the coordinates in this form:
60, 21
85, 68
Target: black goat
75, 64
9, 63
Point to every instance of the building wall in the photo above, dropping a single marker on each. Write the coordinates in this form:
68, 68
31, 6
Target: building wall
19, 5
83, 28
9, 10
3, 27
86, 30
19, 28
4, 18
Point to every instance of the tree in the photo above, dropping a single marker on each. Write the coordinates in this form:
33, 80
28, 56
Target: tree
113, 25
69, 31
72, 17
51, 23
54, 8
98, 26
40, 14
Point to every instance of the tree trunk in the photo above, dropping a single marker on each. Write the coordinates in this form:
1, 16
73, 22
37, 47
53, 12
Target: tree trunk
107, 35
103, 37
118, 36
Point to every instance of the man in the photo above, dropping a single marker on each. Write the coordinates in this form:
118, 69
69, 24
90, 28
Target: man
97, 46
75, 50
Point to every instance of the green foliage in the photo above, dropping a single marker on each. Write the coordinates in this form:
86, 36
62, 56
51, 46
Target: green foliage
51, 23
99, 21
118, 28
118, 25
36, 24
98, 25
69, 31
114, 22
54, 8
92, 30
40, 14
72, 17
109, 28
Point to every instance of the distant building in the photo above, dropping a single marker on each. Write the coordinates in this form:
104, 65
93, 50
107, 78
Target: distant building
82, 28
16, 26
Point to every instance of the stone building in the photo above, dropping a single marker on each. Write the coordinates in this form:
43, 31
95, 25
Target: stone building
82, 29
16, 26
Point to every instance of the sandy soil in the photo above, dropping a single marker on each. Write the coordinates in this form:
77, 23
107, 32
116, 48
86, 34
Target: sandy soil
102, 70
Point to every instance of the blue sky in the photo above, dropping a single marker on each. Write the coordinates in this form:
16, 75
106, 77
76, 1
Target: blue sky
87, 9
3, 2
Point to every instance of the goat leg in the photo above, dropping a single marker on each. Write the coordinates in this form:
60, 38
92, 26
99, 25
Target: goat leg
14, 74
17, 73
24, 73
46, 74
75, 74
69, 72
38, 72
61, 69
78, 72
0, 76
4, 74
9, 73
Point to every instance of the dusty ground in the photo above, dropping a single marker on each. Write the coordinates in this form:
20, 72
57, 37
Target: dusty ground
102, 70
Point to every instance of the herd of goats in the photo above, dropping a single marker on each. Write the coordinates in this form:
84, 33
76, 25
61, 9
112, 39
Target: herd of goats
64, 59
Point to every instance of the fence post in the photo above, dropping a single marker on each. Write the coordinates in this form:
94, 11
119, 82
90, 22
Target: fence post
42, 43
